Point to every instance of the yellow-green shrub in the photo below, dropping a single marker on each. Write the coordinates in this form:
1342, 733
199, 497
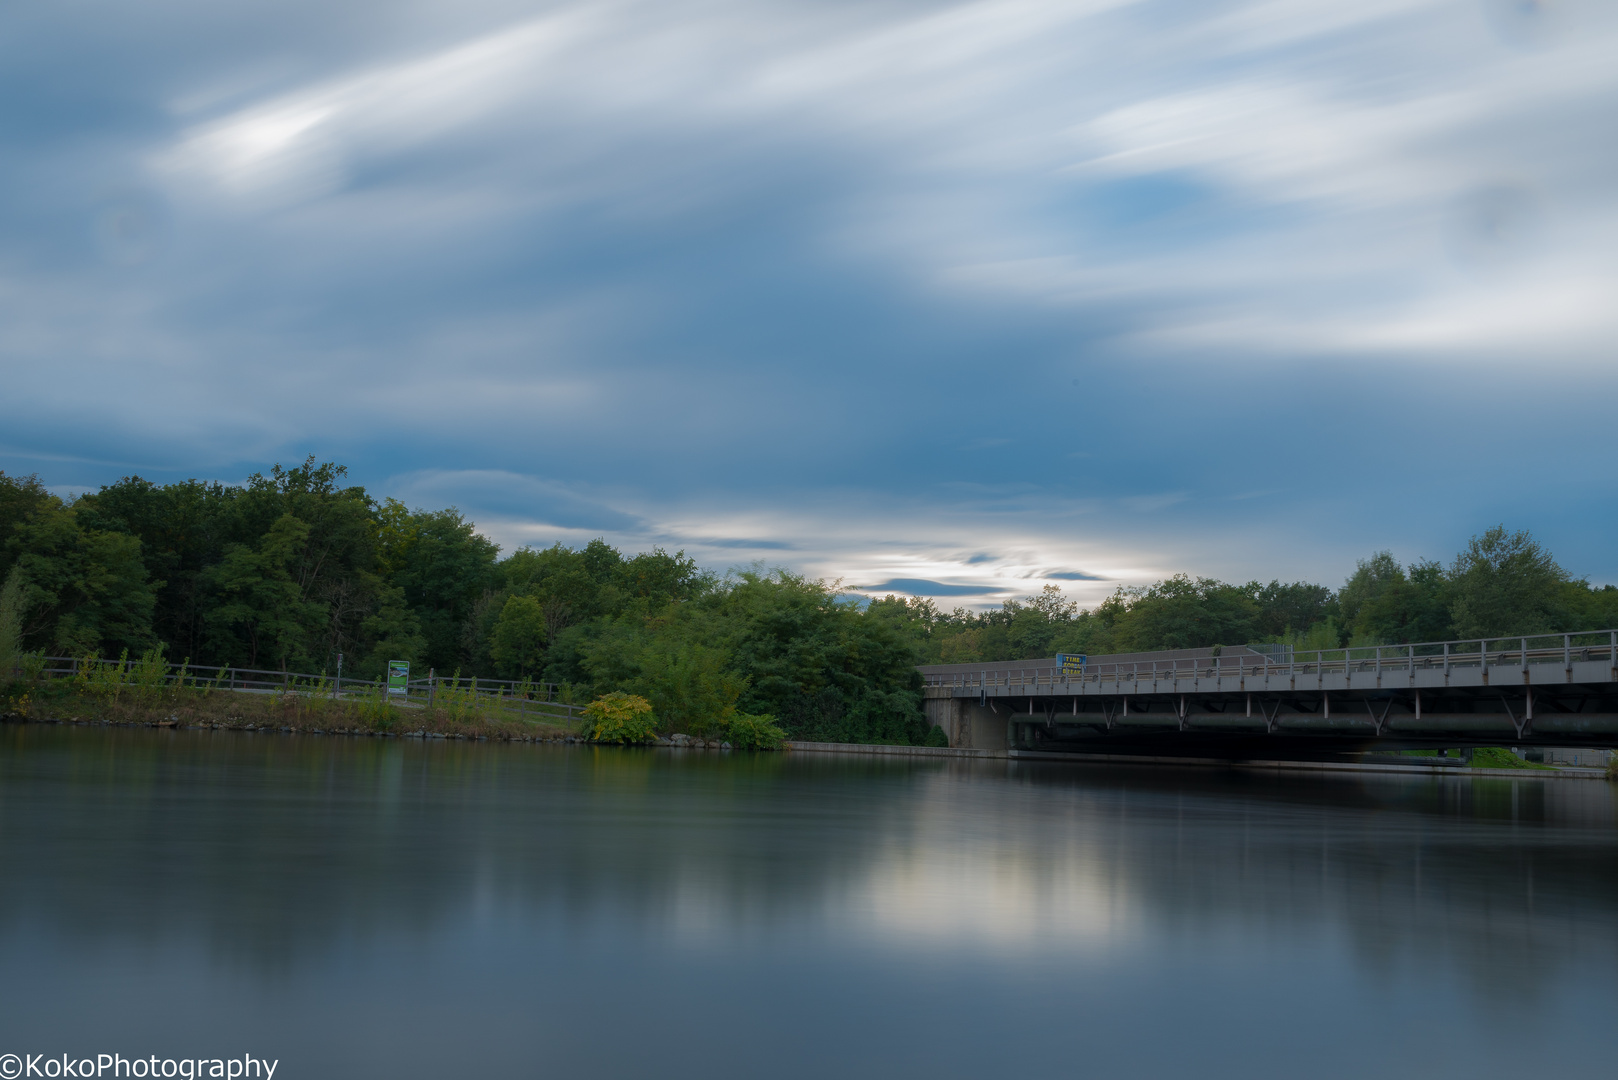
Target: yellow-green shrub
619, 718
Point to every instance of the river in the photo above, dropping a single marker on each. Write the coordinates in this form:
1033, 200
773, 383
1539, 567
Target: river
394, 908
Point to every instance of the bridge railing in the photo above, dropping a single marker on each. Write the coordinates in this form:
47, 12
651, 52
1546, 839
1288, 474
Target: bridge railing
1514, 652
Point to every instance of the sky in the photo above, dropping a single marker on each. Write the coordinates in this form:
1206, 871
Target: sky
949, 299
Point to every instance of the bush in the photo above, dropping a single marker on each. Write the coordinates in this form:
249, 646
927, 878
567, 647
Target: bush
936, 737
619, 718
749, 732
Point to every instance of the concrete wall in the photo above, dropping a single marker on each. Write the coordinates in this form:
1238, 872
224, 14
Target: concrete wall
1574, 756
981, 728
942, 712
970, 726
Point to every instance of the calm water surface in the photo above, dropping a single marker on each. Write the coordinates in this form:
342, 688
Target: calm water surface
393, 908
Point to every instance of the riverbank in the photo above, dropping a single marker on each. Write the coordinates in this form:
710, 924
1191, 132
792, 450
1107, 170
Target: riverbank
292, 713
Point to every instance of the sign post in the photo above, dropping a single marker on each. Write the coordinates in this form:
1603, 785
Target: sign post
398, 677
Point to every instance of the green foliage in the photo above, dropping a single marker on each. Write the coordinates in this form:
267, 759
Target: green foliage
292, 568
1498, 757
1182, 613
21, 497
11, 601
620, 718
374, 707
520, 636
460, 703
443, 568
816, 663
1320, 636
144, 681
745, 731
935, 737
1507, 584
688, 685
262, 604
82, 588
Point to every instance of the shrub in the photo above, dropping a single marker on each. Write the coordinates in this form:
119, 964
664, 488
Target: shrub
935, 737
745, 731
619, 718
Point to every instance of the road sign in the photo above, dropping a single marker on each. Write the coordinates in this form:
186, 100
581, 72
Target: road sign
1071, 663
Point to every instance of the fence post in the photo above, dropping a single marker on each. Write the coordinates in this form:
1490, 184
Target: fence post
432, 685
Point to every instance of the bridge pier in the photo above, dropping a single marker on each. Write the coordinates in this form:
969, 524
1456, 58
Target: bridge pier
968, 724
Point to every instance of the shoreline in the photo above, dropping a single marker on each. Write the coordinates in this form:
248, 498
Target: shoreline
1416, 768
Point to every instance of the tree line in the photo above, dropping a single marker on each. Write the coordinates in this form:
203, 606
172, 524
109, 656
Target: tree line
289, 569
292, 568
1502, 584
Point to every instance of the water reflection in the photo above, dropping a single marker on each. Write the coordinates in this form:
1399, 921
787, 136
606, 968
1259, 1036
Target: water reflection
780, 891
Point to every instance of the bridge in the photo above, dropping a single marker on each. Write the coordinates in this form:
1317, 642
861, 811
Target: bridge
1273, 701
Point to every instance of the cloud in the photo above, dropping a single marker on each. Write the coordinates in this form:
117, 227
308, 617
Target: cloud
505, 495
920, 587
863, 286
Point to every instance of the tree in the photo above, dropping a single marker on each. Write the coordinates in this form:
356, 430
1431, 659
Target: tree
1182, 613
392, 631
1291, 608
83, 590
20, 497
520, 637
1370, 579
1507, 584
443, 566
261, 613
1411, 608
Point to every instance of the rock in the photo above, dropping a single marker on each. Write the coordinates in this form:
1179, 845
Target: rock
724, 746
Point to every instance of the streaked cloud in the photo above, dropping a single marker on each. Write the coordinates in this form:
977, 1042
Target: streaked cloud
948, 294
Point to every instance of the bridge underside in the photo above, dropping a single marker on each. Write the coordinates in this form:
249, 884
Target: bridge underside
1286, 723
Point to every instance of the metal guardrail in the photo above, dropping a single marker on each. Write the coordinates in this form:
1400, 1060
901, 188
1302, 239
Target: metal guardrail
1523, 651
529, 699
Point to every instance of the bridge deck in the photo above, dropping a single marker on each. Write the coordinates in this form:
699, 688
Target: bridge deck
1555, 690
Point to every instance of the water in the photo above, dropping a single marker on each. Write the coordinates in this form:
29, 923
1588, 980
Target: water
357, 908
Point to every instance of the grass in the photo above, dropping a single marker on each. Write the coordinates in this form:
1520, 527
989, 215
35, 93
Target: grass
1498, 757
300, 710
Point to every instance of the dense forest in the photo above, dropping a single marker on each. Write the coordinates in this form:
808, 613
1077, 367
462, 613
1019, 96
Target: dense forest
292, 568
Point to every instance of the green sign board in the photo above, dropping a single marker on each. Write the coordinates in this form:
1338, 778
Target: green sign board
1071, 663
398, 676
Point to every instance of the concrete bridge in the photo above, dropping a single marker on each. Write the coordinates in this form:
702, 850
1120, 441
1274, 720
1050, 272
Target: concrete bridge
1269, 701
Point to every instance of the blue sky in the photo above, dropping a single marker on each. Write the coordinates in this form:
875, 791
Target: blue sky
986, 294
